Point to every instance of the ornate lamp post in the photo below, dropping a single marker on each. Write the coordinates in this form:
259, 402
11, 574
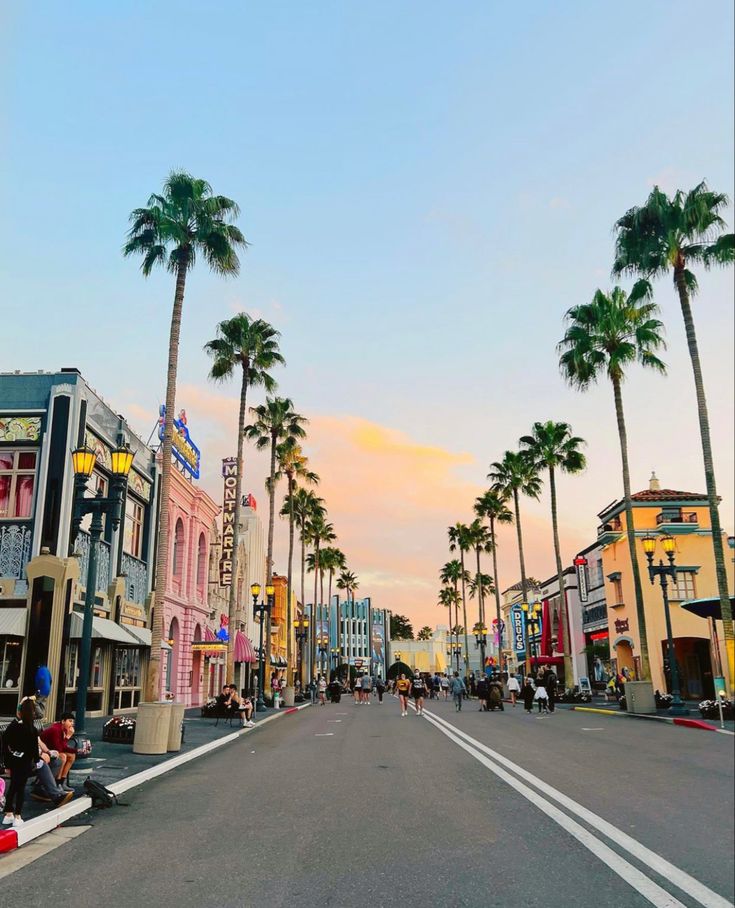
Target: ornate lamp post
301, 625
454, 649
260, 610
335, 656
481, 642
83, 460
322, 642
664, 572
531, 614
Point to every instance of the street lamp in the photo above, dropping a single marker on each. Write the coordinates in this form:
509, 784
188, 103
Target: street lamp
664, 572
322, 644
301, 626
260, 610
454, 649
481, 642
533, 622
335, 655
83, 460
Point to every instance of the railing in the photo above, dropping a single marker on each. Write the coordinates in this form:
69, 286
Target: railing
81, 548
591, 614
136, 582
15, 549
613, 526
681, 517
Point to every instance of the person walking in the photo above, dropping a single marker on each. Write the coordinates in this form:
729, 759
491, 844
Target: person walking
527, 692
322, 691
445, 685
458, 689
514, 688
358, 690
542, 698
418, 692
403, 686
367, 686
380, 688
482, 693
551, 683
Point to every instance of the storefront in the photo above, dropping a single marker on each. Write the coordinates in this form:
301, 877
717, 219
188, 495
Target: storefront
12, 636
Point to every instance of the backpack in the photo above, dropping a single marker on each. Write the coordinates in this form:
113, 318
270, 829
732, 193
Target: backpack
101, 797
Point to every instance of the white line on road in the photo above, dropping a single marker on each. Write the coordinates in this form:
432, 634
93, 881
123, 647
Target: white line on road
333, 720
327, 734
593, 729
688, 884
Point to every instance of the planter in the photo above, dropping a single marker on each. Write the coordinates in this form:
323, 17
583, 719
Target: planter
152, 728
119, 730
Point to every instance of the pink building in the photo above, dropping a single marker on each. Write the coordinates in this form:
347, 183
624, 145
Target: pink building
186, 608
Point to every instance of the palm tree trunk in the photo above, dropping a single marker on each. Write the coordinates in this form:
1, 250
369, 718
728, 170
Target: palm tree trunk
289, 579
522, 562
566, 642
153, 676
481, 607
271, 526
315, 608
464, 615
497, 594
456, 613
709, 474
630, 532
232, 604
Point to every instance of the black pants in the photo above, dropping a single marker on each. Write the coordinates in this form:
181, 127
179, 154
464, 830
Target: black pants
551, 701
380, 694
17, 789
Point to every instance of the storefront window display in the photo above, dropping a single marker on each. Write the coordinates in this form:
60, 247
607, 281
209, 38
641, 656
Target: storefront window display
127, 678
96, 676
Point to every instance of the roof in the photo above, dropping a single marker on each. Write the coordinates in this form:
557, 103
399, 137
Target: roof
531, 584
668, 495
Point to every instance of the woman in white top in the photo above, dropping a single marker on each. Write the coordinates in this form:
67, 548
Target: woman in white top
323, 690
514, 688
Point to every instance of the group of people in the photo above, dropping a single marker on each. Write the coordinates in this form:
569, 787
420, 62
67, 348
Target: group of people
541, 689
229, 702
45, 756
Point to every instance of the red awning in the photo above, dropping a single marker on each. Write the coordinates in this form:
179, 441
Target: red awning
547, 660
244, 651
209, 635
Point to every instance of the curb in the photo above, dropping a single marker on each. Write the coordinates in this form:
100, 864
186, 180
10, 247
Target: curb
669, 720
10, 839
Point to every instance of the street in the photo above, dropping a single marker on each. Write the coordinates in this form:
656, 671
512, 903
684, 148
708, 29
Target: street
345, 805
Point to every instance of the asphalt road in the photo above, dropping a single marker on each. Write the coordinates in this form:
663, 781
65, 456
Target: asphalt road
344, 805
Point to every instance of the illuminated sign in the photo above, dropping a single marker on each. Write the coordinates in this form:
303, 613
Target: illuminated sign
518, 631
229, 475
185, 452
580, 563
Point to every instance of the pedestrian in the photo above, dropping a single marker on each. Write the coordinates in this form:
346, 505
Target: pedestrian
514, 688
418, 692
482, 693
445, 685
472, 684
527, 692
323, 691
458, 689
542, 698
20, 755
403, 685
367, 687
380, 688
550, 683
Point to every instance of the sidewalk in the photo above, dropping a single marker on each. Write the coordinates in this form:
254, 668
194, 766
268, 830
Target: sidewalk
114, 764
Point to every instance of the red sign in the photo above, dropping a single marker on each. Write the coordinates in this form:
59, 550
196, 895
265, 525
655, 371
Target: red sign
622, 625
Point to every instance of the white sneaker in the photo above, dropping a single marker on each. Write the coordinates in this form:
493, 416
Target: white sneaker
8, 819
250, 724
18, 821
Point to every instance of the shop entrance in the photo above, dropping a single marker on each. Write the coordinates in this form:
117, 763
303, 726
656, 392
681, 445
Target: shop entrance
693, 659
39, 631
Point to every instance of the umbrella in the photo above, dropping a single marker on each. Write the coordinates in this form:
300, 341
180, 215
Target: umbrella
706, 608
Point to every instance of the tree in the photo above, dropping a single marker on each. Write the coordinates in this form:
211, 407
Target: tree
294, 466
425, 633
252, 346
447, 598
671, 234
552, 446
332, 560
316, 531
400, 628
184, 221
452, 574
480, 539
348, 582
513, 476
492, 506
460, 538
606, 336
305, 504
481, 585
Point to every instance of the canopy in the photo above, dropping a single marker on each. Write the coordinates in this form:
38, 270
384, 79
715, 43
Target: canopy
547, 660
209, 635
13, 622
706, 608
143, 634
244, 651
102, 629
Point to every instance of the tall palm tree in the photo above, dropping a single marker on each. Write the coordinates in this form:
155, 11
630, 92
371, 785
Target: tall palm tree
480, 584
552, 446
317, 531
606, 336
305, 503
348, 582
447, 599
250, 345
492, 506
513, 476
293, 464
671, 234
332, 560
454, 573
183, 221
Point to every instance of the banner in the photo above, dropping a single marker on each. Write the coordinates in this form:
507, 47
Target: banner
518, 629
229, 475
580, 563
378, 641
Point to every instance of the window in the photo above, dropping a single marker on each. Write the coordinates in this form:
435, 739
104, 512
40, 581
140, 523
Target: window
133, 539
600, 574
684, 587
17, 481
202, 565
96, 666
179, 548
127, 667
617, 591
11, 649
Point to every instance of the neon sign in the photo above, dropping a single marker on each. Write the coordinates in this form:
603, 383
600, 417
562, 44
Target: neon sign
185, 452
229, 475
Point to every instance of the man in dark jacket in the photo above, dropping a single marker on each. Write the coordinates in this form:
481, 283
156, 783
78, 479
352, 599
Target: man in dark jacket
551, 683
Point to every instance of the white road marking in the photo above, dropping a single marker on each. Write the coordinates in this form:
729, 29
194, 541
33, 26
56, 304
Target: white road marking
593, 729
21, 857
333, 720
688, 884
328, 734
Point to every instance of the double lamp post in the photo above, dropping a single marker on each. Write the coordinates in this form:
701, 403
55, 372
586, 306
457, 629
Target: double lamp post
301, 627
260, 610
532, 615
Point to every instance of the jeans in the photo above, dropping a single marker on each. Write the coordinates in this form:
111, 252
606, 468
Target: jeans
46, 782
458, 701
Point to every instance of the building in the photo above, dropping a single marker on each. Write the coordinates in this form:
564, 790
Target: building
514, 637
559, 618
593, 604
684, 515
42, 573
354, 634
427, 655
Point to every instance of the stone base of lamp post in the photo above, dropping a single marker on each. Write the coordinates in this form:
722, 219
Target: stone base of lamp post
152, 728
289, 695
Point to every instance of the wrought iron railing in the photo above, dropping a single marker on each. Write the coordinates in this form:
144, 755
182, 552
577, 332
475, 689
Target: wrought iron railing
81, 548
136, 582
673, 517
15, 549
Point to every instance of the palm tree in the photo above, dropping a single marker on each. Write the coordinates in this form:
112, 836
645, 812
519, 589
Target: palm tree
480, 585
317, 530
447, 599
294, 466
460, 538
454, 573
670, 234
605, 336
513, 476
252, 346
480, 539
425, 633
553, 447
348, 582
185, 220
492, 506
332, 560
305, 504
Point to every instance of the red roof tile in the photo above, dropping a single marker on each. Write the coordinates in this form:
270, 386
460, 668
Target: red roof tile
668, 495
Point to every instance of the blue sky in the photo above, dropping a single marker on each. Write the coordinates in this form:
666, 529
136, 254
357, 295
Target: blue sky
427, 187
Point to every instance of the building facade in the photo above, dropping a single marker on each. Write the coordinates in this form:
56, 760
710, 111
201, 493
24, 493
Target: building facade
593, 604
354, 634
43, 569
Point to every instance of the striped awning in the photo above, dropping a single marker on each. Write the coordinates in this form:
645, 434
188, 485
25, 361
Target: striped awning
13, 622
209, 635
244, 651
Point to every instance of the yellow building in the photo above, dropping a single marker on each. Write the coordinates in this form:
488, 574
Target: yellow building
685, 516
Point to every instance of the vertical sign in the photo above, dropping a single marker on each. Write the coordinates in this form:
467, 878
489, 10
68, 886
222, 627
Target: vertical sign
580, 563
378, 640
229, 475
518, 629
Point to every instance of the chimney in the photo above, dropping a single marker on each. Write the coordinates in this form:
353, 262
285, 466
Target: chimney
653, 484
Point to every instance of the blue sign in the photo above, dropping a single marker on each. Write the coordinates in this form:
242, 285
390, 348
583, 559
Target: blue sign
518, 629
183, 448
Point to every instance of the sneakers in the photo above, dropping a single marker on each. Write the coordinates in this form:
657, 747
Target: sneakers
65, 786
64, 799
18, 821
8, 819
249, 724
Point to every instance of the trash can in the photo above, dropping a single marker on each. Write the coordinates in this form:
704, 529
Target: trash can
176, 728
639, 697
152, 727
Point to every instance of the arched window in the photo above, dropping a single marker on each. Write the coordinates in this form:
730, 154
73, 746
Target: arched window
178, 548
202, 563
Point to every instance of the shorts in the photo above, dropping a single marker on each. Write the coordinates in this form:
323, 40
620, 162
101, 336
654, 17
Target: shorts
418, 694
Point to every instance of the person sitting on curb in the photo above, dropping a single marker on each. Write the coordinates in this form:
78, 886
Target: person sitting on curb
56, 737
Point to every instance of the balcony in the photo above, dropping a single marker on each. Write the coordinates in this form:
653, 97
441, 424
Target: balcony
81, 548
136, 581
677, 518
610, 531
15, 549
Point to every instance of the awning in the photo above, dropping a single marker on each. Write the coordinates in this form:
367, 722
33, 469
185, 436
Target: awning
13, 622
102, 629
143, 634
706, 608
547, 660
244, 651
209, 635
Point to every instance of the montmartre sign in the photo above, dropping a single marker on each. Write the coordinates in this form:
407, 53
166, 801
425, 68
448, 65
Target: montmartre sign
229, 475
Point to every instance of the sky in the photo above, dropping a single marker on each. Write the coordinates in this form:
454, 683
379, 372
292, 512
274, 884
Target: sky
426, 188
